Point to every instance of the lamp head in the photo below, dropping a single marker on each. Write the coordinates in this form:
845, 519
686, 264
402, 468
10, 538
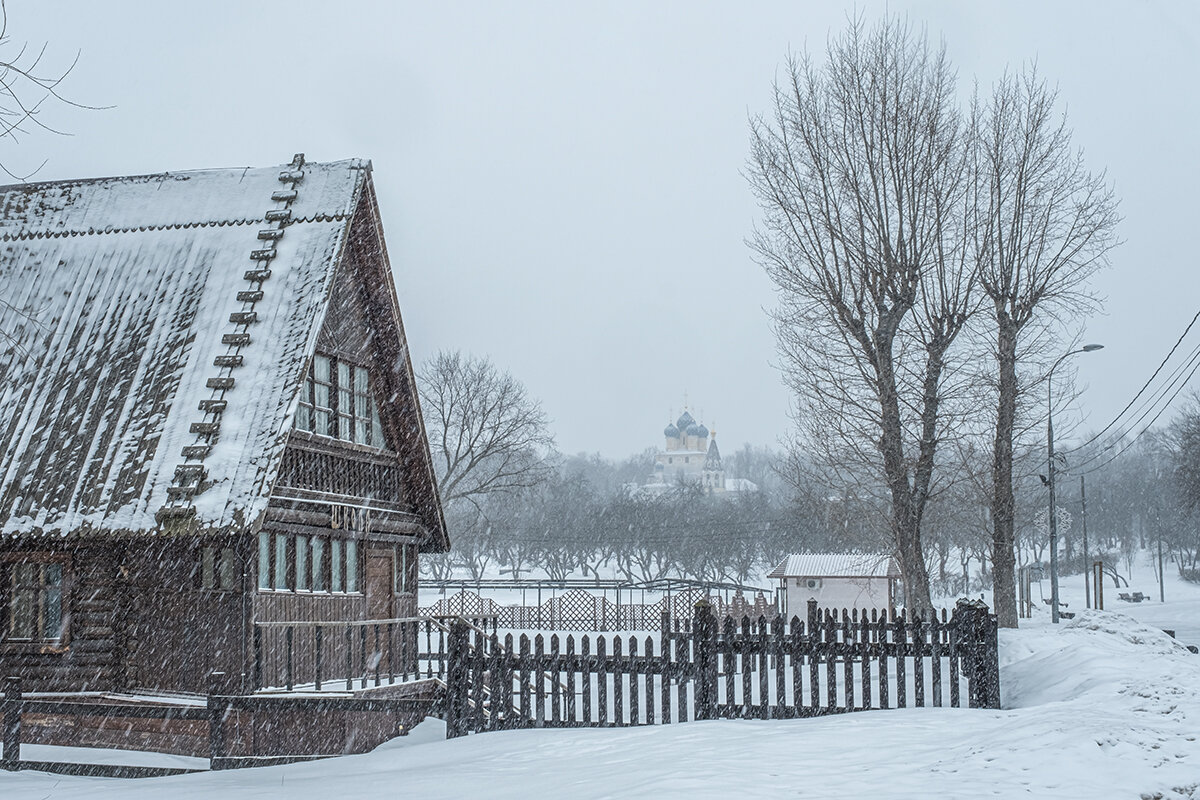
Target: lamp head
1089, 348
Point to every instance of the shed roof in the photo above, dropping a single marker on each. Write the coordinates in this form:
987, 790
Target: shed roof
114, 297
836, 565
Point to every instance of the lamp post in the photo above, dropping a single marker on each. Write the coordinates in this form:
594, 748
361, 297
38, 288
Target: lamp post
1087, 348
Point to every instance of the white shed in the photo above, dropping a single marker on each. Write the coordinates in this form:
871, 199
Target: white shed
836, 581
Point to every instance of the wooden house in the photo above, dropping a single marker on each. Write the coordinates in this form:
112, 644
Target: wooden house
208, 422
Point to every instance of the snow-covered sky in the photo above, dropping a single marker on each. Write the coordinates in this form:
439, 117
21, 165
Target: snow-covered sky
560, 182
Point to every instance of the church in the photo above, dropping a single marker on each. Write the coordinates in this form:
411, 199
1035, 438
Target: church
691, 457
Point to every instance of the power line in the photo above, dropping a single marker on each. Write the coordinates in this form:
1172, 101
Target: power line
1145, 386
1140, 433
1176, 381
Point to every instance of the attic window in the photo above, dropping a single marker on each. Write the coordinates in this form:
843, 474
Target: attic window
337, 401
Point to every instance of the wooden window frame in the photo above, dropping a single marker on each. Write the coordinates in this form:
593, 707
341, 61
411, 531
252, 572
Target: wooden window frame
404, 560
323, 567
50, 646
222, 555
340, 417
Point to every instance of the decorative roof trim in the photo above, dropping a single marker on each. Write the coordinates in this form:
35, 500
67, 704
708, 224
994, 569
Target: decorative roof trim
10, 237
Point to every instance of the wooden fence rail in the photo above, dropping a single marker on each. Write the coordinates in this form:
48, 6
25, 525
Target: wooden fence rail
218, 714
766, 669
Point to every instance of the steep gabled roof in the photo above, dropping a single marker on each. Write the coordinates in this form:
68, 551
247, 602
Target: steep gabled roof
836, 565
127, 305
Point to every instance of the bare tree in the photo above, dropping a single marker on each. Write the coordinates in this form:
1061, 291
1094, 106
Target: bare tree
861, 176
1044, 225
486, 433
27, 85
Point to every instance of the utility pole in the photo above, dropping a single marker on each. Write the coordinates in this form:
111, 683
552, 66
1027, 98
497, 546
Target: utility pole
1087, 581
1087, 348
1162, 596
1053, 510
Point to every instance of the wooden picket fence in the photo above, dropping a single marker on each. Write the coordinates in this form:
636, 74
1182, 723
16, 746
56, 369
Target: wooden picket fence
764, 669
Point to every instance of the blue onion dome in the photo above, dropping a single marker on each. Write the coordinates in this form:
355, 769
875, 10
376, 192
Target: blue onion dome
685, 419
693, 430
701, 431
670, 431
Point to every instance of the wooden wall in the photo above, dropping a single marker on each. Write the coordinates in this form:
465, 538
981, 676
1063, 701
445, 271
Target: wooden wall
136, 618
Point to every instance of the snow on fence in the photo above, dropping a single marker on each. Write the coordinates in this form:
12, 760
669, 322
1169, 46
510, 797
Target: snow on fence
765, 669
582, 610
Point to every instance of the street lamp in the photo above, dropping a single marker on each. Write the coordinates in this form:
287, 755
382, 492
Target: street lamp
1087, 348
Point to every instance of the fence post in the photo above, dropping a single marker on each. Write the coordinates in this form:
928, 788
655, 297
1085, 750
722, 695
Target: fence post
456, 680
704, 629
989, 656
975, 631
12, 724
216, 721
812, 615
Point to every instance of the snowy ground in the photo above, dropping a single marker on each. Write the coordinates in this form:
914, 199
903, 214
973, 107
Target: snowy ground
1103, 706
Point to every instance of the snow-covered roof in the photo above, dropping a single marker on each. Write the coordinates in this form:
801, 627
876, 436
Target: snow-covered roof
836, 565
115, 296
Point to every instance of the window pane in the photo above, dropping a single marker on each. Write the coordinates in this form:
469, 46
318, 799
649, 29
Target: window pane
343, 376
345, 427
360, 380
345, 402
318, 557
302, 573
351, 566
264, 560
22, 617
52, 613
228, 568
304, 417
335, 560
360, 431
321, 395
361, 408
26, 575
321, 368
376, 428
321, 420
208, 567
280, 581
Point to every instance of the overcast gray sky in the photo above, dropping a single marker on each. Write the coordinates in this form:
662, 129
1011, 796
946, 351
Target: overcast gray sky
560, 182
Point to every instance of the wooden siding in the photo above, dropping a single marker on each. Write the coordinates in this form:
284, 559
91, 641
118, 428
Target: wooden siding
86, 659
136, 619
180, 632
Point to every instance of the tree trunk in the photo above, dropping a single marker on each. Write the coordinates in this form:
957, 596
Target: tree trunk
906, 516
1004, 586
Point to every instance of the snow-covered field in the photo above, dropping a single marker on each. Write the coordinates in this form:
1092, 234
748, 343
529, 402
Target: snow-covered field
1103, 706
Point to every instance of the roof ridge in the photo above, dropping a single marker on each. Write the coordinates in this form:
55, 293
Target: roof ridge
336, 216
352, 163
